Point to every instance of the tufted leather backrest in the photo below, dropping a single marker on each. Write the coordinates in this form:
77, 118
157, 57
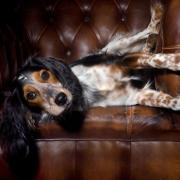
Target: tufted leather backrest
70, 29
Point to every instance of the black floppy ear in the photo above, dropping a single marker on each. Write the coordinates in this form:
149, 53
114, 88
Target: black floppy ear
15, 136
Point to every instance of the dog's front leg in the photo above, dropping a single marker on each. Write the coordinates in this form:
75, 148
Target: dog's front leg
159, 61
153, 98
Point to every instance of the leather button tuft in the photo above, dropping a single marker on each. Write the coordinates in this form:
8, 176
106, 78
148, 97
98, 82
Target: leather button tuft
123, 18
68, 52
86, 8
51, 19
87, 19
50, 15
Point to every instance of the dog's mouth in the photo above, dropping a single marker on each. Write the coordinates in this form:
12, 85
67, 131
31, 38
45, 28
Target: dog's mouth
56, 105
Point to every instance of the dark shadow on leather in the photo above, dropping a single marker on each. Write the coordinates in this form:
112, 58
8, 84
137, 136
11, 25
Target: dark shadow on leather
73, 121
25, 168
2, 97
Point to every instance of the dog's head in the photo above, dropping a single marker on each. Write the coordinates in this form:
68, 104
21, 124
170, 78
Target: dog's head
49, 85
44, 89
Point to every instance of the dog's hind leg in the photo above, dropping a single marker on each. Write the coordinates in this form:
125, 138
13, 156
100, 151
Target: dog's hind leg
136, 43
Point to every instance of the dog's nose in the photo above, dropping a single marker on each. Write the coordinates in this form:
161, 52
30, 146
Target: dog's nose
61, 99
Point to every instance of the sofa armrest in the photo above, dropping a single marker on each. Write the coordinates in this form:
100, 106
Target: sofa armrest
168, 81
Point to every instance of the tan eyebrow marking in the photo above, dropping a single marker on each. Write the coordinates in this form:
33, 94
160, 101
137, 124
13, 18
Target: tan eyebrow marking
37, 76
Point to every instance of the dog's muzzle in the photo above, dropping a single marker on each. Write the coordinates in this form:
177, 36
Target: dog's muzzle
61, 99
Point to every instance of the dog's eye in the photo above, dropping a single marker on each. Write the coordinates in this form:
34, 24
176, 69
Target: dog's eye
31, 95
44, 75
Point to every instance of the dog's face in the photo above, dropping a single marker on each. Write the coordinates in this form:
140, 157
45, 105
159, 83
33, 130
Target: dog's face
42, 89
50, 86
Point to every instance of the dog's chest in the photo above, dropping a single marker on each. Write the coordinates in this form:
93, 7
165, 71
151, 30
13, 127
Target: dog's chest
108, 80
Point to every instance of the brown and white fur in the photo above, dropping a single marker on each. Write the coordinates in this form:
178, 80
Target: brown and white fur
48, 89
113, 80
111, 77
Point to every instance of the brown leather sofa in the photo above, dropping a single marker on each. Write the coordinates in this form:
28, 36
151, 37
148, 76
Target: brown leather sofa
137, 142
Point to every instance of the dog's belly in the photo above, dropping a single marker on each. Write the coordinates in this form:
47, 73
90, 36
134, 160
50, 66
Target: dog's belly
110, 83
118, 96
98, 77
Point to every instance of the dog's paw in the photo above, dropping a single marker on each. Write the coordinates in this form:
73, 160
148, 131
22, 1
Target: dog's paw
157, 11
176, 104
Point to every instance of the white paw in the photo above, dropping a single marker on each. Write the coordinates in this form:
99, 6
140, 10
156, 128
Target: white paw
176, 104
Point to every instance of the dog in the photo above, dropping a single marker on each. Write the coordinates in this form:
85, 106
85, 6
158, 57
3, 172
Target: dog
47, 89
